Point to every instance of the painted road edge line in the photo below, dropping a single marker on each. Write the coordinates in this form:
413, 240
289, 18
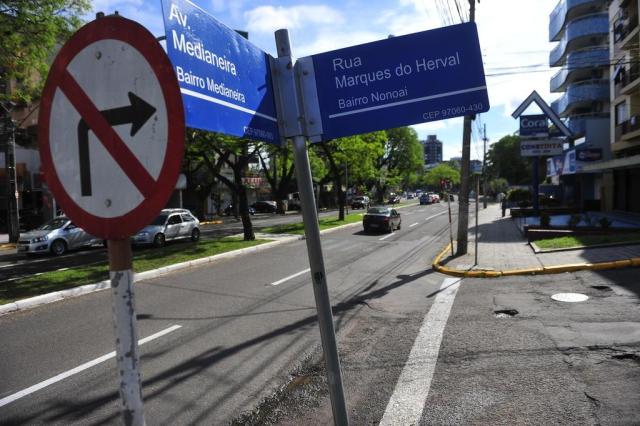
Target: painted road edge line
412, 389
31, 389
290, 277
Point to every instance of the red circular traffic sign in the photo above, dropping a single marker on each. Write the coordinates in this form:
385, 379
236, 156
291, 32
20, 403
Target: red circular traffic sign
111, 128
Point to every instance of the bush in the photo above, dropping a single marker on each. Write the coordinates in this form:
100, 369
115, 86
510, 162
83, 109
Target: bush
574, 219
604, 222
545, 220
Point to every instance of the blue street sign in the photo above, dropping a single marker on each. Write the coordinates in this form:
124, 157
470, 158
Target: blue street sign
225, 80
426, 76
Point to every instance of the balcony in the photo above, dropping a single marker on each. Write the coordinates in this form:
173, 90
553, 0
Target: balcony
580, 66
578, 124
625, 32
567, 10
626, 81
588, 31
584, 96
628, 130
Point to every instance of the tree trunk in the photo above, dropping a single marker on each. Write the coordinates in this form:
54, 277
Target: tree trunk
341, 197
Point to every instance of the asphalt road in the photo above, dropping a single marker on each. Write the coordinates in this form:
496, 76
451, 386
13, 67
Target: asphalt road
234, 331
14, 265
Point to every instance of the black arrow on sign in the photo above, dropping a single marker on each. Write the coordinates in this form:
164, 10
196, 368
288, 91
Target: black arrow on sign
135, 114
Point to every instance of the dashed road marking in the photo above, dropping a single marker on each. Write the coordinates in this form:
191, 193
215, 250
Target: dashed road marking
290, 277
387, 236
413, 224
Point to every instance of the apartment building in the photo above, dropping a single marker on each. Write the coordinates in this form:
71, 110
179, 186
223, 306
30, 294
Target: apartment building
581, 30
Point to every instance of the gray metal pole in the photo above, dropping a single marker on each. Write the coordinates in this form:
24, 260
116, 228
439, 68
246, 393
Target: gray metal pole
291, 118
477, 208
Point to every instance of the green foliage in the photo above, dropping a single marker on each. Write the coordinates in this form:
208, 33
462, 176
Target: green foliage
498, 185
504, 161
604, 222
403, 158
573, 221
520, 196
30, 32
441, 171
545, 220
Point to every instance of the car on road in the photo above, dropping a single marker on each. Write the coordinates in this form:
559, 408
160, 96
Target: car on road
435, 197
381, 218
57, 236
426, 199
360, 202
170, 224
265, 206
228, 211
393, 199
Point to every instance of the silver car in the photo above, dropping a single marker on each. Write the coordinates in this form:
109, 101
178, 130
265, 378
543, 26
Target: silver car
171, 224
56, 236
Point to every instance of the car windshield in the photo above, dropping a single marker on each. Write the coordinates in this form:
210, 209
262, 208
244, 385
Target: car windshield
56, 223
378, 210
160, 220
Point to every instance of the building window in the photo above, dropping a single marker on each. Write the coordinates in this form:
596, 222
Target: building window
622, 113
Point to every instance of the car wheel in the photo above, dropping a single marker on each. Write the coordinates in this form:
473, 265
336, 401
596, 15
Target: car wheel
195, 234
399, 225
58, 247
366, 229
158, 240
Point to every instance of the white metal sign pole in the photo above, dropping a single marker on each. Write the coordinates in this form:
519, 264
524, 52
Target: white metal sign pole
288, 101
124, 322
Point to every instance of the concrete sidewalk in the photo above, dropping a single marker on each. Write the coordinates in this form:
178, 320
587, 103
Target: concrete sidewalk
503, 250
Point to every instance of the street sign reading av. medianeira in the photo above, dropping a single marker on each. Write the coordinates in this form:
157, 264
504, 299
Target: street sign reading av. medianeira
224, 79
111, 128
426, 76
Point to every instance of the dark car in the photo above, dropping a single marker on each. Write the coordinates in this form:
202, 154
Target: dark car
381, 219
230, 210
265, 206
393, 199
426, 199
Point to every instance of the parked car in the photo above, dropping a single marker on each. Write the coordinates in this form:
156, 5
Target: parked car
393, 199
57, 237
360, 202
426, 199
228, 211
170, 224
381, 219
265, 206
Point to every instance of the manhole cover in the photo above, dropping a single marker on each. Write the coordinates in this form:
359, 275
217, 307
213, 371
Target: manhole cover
570, 297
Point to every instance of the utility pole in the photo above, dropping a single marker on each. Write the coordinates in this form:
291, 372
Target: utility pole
463, 198
484, 170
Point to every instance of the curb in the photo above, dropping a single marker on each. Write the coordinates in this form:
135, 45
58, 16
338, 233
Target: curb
44, 299
545, 270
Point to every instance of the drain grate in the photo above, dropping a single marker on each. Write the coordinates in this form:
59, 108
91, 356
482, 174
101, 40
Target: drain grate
601, 287
506, 313
631, 356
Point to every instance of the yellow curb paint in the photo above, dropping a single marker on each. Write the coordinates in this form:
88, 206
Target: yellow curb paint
529, 271
558, 269
635, 261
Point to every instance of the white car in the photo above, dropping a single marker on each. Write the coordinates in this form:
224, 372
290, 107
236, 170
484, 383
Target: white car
170, 224
56, 236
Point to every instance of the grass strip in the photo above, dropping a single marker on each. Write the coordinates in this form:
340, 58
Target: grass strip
585, 241
143, 260
324, 223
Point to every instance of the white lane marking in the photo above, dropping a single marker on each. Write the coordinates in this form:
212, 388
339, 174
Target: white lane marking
387, 236
9, 399
411, 392
290, 277
413, 224
436, 215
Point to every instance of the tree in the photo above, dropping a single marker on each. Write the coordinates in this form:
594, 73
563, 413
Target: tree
439, 172
30, 32
402, 159
216, 151
504, 161
278, 171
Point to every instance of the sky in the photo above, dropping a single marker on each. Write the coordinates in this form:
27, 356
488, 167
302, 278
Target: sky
513, 38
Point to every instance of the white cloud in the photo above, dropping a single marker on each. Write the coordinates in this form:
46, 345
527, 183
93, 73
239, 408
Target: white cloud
331, 40
267, 19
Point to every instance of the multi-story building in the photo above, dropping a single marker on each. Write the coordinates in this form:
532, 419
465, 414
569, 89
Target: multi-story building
581, 28
622, 171
432, 150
